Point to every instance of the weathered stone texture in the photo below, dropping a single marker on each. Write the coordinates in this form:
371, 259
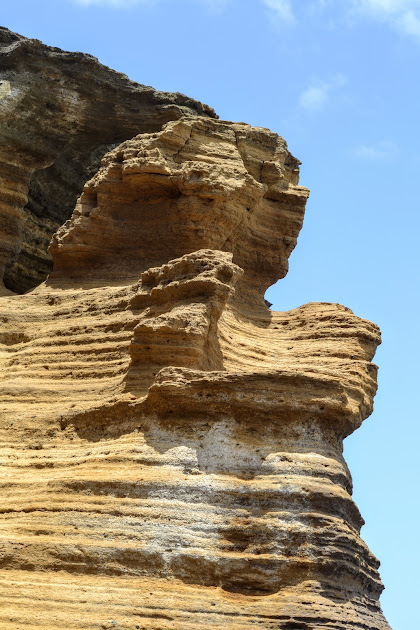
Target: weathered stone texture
171, 448
59, 113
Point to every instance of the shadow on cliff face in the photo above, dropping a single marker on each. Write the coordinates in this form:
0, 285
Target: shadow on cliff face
212, 464
240, 448
250, 479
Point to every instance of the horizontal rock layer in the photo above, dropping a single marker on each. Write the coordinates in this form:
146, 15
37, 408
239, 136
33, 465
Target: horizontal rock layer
171, 448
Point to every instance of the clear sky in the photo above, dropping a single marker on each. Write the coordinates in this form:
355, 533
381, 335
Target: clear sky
339, 80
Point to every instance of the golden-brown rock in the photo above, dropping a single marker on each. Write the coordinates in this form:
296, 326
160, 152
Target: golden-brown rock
171, 448
201, 184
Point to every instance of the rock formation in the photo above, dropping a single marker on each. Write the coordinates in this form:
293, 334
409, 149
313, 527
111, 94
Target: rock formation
171, 448
60, 112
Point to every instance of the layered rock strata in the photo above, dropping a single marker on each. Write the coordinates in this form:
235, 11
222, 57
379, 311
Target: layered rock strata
171, 448
60, 112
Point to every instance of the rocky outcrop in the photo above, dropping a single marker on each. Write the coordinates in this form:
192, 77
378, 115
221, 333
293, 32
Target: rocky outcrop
202, 184
59, 113
172, 448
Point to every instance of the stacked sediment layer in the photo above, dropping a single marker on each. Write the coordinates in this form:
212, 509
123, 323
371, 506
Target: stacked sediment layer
171, 448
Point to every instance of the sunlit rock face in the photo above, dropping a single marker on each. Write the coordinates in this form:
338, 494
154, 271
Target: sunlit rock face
197, 184
172, 448
59, 113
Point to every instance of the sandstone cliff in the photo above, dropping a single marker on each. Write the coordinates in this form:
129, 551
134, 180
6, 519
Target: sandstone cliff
59, 113
171, 448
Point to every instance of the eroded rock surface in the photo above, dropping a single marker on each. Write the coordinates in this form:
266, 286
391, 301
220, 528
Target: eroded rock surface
172, 449
59, 113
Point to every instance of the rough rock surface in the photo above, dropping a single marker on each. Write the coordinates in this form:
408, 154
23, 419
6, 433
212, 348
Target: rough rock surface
59, 113
171, 448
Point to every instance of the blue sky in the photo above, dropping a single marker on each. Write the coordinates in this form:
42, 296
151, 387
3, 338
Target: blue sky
339, 79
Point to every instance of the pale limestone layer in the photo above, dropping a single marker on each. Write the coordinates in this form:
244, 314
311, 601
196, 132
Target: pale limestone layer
172, 448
